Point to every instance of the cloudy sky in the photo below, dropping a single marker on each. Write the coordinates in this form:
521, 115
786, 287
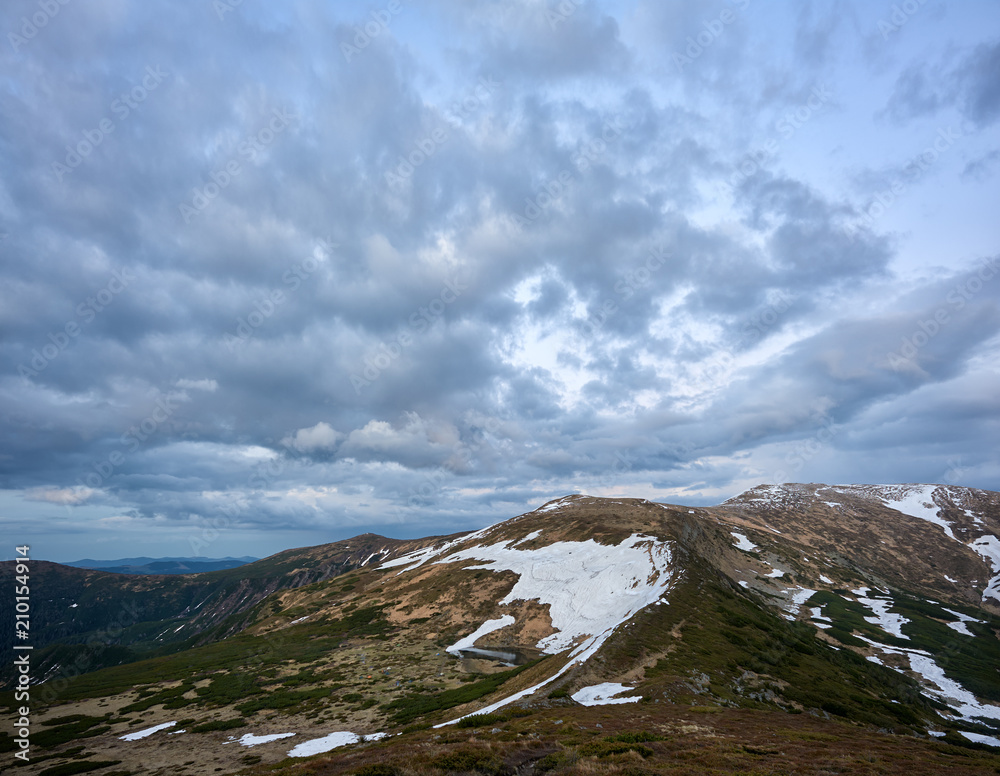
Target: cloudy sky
279, 274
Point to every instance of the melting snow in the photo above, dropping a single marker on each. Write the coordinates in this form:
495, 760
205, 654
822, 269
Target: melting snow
328, 742
528, 538
979, 738
602, 694
989, 548
251, 740
743, 543
487, 627
744, 584
301, 619
73, 606
817, 614
953, 581
147, 732
591, 588
825, 580
960, 626
886, 620
551, 507
960, 700
776, 573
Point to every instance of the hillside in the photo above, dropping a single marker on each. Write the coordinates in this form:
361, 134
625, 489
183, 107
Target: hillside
803, 628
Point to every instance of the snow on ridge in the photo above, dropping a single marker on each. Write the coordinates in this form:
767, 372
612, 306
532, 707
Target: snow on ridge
487, 627
603, 694
420, 557
591, 588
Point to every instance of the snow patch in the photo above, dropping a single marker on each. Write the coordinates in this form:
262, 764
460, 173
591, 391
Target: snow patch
328, 742
147, 732
251, 740
886, 620
603, 694
487, 627
590, 588
825, 580
743, 543
989, 548
979, 738
775, 574
960, 626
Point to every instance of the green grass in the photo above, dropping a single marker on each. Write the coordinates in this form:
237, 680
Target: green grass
404, 710
310, 642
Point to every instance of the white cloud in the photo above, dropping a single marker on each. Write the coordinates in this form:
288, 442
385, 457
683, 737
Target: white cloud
322, 436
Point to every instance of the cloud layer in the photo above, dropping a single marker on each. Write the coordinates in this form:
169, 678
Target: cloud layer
279, 276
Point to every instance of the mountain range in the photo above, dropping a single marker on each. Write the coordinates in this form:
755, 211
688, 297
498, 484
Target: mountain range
162, 565
799, 628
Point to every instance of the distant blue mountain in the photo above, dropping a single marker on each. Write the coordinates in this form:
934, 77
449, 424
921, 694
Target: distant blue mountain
162, 565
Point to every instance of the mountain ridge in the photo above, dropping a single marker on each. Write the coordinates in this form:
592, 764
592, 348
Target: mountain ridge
826, 601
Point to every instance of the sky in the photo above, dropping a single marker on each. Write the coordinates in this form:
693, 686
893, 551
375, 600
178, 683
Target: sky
275, 275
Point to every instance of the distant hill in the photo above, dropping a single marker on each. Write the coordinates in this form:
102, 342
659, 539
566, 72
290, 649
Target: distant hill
162, 565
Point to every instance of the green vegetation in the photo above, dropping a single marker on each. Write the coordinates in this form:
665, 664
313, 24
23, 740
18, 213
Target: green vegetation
406, 709
311, 641
735, 652
79, 727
